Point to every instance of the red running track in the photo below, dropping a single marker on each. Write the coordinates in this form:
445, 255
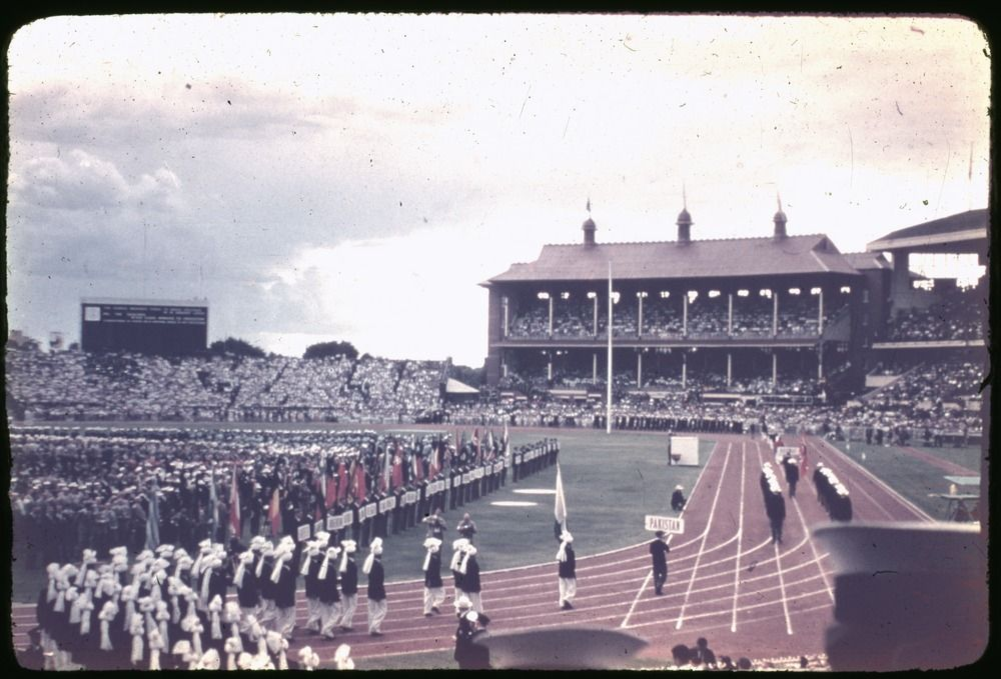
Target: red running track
727, 581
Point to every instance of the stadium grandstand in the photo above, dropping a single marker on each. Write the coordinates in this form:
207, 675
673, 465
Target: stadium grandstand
760, 344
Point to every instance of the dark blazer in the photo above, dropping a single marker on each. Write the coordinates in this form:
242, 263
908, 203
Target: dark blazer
659, 550
568, 568
349, 578
471, 580
432, 576
377, 581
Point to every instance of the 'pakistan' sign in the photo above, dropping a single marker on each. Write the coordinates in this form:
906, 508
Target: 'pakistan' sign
668, 524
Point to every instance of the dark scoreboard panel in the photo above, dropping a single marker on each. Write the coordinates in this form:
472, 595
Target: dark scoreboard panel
143, 328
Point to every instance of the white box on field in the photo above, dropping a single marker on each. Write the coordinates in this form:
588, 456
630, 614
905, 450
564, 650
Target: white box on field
685, 450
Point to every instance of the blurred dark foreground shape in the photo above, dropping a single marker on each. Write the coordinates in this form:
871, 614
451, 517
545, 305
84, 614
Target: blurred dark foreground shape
906, 596
561, 649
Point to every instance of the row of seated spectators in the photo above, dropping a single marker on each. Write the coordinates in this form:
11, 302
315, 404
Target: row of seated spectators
955, 315
75, 385
753, 316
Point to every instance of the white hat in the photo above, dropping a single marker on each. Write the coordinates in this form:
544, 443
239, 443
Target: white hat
349, 546
432, 543
376, 546
566, 537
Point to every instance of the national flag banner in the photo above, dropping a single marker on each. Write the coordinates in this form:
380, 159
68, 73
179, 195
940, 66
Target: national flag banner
342, 480
275, 514
434, 463
418, 467
397, 468
330, 491
153, 517
214, 502
560, 510
476, 445
384, 472
234, 505
360, 489
490, 445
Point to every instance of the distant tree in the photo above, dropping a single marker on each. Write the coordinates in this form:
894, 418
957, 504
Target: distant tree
238, 347
474, 377
330, 350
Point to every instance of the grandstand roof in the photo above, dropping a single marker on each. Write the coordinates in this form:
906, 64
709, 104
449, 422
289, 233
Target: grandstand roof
867, 260
965, 227
454, 386
144, 302
730, 257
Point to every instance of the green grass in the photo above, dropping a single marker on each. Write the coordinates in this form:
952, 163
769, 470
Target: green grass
610, 483
911, 477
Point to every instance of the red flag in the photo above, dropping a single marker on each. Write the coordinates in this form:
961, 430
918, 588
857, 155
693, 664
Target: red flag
398, 468
342, 480
434, 466
330, 491
418, 467
476, 443
234, 506
383, 466
360, 483
275, 514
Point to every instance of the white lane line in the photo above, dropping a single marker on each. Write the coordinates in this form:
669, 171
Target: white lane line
813, 547
743, 609
878, 481
705, 533
740, 536
782, 587
712, 511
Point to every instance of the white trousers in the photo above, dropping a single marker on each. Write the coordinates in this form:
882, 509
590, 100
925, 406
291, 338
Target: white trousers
349, 602
330, 615
376, 614
313, 614
245, 614
568, 589
474, 597
285, 621
267, 613
433, 597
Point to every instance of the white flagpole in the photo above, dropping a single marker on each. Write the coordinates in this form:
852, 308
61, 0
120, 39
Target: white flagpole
608, 406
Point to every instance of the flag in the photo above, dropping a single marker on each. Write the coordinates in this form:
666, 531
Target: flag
434, 465
342, 480
360, 483
234, 506
275, 514
330, 489
418, 466
476, 445
507, 443
214, 502
386, 470
560, 510
397, 468
490, 444
153, 517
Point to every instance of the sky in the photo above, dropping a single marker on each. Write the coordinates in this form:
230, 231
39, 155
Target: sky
355, 177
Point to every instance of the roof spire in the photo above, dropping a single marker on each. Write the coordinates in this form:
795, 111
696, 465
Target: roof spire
589, 205
779, 219
589, 226
684, 198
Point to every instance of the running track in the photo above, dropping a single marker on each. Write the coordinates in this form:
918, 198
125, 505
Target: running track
726, 581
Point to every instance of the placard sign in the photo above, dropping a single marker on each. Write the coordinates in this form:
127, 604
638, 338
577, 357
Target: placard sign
335, 522
668, 524
303, 533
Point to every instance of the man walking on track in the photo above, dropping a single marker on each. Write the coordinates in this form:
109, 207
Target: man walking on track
348, 572
567, 571
376, 588
658, 550
434, 590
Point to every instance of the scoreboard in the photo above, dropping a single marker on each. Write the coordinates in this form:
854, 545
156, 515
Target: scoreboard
146, 327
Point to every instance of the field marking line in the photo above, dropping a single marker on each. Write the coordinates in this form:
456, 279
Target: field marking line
813, 548
782, 587
743, 609
740, 535
709, 521
705, 532
920, 513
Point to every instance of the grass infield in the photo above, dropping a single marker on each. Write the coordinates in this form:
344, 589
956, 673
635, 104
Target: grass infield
912, 477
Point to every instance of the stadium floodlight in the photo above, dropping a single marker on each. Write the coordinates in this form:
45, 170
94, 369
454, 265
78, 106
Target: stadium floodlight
564, 295
765, 292
592, 295
845, 290
692, 295
743, 293
543, 295
642, 294
814, 291
794, 291
713, 294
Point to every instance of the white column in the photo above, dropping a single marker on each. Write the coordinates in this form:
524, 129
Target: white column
820, 312
729, 319
729, 368
594, 369
549, 372
504, 368
684, 369
608, 390
594, 331
639, 320
551, 314
775, 369
820, 360
505, 316
775, 313
639, 369
684, 314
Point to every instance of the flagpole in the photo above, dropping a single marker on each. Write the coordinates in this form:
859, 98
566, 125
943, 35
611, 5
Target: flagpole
608, 406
